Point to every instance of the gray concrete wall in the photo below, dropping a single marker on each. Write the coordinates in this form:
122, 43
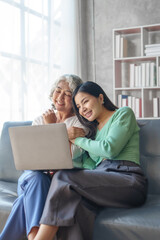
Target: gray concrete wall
99, 17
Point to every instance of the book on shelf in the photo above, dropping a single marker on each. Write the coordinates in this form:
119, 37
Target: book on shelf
139, 76
159, 76
138, 107
147, 74
152, 45
132, 74
124, 46
130, 101
121, 46
143, 66
122, 100
152, 74
136, 76
153, 54
133, 102
152, 50
118, 38
156, 107
143, 74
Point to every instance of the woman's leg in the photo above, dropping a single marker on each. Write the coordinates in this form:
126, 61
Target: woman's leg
83, 226
33, 188
15, 227
36, 188
46, 232
33, 233
82, 229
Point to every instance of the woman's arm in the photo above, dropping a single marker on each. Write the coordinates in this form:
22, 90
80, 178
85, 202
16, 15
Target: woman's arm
46, 118
119, 133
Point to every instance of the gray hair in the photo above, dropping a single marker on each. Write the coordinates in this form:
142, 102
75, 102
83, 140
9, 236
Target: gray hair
73, 80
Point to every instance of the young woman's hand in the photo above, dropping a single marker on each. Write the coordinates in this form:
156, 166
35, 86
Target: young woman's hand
49, 117
74, 132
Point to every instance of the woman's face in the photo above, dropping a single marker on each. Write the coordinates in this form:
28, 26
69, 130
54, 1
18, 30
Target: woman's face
62, 97
89, 106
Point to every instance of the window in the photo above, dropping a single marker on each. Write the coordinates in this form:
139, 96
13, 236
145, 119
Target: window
24, 58
35, 38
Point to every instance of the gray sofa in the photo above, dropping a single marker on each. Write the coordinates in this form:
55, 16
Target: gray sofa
142, 223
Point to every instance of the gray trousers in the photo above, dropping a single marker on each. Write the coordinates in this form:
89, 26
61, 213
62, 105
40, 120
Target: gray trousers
76, 195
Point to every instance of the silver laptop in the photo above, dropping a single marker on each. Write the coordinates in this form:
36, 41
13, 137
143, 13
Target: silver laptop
41, 147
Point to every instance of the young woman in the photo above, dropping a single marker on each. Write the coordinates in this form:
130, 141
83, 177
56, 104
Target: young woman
33, 186
110, 174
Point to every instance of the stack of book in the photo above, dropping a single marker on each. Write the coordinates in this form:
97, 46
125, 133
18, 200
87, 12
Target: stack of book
121, 47
152, 50
132, 102
143, 74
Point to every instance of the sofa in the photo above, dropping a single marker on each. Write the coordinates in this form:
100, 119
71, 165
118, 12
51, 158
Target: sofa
141, 223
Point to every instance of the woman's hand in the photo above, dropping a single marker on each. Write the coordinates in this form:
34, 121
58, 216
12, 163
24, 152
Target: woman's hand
74, 132
49, 117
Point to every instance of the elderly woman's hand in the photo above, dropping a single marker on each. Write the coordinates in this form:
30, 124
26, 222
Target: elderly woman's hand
74, 132
49, 117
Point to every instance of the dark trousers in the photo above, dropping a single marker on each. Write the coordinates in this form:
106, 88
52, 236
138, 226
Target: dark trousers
76, 195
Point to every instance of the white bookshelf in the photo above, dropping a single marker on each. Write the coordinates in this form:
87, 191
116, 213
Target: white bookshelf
136, 64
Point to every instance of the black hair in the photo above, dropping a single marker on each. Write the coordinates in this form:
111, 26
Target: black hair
95, 90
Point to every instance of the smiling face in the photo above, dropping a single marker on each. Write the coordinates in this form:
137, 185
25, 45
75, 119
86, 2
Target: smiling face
89, 106
62, 97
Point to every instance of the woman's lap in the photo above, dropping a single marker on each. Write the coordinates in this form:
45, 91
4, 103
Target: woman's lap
112, 183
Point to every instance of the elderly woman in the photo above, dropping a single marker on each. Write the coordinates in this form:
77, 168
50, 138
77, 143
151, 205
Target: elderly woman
33, 186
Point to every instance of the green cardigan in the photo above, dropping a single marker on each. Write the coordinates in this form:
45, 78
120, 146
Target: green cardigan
117, 140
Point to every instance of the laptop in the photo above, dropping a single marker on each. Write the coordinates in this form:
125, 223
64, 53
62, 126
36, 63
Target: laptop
42, 147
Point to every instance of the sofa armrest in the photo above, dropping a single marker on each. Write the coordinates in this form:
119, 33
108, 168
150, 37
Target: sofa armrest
7, 167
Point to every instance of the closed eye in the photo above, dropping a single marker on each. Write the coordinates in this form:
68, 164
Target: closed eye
58, 90
68, 94
85, 101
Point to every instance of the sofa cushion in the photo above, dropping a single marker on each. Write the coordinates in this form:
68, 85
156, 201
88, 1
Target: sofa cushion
135, 223
8, 193
7, 167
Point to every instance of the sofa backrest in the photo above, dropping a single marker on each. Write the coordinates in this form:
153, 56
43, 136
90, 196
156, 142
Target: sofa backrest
7, 167
150, 152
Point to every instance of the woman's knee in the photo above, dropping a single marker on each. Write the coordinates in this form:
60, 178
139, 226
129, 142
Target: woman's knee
40, 178
32, 180
66, 176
